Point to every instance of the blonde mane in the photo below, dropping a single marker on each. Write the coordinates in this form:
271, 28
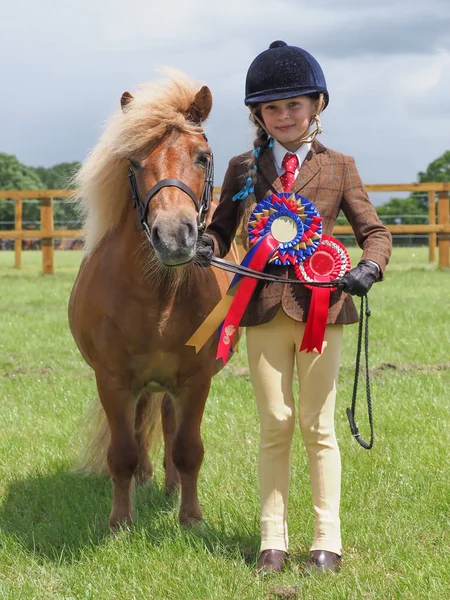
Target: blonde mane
102, 189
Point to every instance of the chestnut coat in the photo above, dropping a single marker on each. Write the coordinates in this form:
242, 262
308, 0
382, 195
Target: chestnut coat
331, 181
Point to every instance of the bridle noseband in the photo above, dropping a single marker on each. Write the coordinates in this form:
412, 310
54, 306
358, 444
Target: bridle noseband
202, 206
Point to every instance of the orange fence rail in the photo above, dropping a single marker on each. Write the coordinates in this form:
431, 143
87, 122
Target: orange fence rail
437, 229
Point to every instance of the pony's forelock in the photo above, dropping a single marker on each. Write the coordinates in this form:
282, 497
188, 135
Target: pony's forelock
101, 183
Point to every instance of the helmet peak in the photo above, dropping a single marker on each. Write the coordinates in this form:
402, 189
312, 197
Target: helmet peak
277, 44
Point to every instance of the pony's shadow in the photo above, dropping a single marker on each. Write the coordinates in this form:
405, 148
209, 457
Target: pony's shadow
58, 515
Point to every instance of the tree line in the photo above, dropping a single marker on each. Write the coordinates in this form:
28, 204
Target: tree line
417, 203
14, 175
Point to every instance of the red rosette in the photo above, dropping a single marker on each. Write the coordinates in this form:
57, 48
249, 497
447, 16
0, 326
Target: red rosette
329, 262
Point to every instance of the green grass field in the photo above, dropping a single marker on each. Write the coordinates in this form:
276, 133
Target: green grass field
54, 538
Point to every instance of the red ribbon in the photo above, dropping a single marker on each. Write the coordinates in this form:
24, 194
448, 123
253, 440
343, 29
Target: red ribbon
259, 260
317, 320
329, 261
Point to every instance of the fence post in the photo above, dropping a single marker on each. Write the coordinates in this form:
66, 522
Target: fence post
444, 238
48, 255
431, 221
18, 227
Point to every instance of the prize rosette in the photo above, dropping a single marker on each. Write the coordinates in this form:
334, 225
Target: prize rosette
330, 261
293, 220
284, 229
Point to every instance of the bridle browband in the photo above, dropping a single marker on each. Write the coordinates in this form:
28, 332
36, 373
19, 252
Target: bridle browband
202, 206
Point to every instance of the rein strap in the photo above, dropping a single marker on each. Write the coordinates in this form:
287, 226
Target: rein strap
226, 265
363, 324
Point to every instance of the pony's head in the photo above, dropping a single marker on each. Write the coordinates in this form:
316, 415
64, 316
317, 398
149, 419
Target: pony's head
156, 140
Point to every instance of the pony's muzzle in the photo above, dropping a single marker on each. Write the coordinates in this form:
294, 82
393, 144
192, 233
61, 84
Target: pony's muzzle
174, 240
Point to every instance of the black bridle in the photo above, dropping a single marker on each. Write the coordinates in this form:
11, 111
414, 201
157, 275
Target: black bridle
202, 206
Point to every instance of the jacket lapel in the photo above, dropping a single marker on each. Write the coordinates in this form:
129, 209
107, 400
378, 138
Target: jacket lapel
310, 167
268, 170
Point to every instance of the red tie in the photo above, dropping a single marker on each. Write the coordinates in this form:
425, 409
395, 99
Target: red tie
289, 164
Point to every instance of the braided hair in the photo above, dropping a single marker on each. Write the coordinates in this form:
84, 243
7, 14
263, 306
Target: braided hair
246, 195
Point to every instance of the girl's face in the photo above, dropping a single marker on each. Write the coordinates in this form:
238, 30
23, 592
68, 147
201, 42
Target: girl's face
288, 120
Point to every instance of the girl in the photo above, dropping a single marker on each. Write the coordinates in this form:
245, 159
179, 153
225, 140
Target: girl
286, 92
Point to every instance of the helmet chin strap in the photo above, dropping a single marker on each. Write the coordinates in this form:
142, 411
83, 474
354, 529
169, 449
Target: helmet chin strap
311, 135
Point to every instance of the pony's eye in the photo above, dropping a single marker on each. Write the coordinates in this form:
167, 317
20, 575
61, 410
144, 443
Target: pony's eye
203, 159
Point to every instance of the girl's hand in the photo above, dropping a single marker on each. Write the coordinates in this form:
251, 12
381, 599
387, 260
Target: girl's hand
359, 280
205, 251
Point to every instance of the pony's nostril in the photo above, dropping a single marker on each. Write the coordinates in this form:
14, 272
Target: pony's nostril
156, 238
188, 234
190, 230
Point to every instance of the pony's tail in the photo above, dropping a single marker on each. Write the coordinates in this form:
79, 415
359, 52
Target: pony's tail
92, 458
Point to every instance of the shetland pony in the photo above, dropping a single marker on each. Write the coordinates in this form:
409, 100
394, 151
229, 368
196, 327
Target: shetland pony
139, 295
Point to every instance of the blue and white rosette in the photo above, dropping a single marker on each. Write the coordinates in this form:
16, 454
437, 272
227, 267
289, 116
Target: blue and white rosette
293, 221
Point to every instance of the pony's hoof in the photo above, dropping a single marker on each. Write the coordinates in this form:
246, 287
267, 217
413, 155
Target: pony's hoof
187, 521
117, 524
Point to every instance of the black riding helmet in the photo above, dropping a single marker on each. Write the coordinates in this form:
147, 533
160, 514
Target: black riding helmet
281, 72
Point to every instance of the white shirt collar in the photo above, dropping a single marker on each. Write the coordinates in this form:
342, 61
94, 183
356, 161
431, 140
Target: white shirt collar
279, 151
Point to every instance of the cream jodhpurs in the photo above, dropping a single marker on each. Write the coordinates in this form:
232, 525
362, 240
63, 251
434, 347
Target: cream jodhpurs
273, 351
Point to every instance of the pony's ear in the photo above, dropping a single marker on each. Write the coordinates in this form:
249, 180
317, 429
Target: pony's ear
201, 107
126, 99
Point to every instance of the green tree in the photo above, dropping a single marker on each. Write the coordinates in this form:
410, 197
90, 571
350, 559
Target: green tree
16, 176
406, 208
438, 170
59, 176
417, 202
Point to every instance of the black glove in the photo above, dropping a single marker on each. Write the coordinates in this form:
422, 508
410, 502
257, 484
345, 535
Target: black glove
359, 280
205, 251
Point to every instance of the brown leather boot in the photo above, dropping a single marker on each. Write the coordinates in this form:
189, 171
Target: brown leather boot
271, 561
322, 560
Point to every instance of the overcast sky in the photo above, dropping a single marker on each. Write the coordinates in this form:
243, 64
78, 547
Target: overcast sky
65, 64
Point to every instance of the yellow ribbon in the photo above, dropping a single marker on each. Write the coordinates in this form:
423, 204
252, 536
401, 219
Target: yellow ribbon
199, 338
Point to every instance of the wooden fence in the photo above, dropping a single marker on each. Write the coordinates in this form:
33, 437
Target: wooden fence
437, 229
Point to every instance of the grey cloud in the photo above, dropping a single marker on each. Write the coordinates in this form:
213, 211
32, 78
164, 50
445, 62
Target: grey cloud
384, 35
368, 6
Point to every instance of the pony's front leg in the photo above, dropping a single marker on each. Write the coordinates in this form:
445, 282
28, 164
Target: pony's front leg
123, 452
188, 446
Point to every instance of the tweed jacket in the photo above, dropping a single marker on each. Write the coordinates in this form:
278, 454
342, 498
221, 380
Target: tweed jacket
331, 181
